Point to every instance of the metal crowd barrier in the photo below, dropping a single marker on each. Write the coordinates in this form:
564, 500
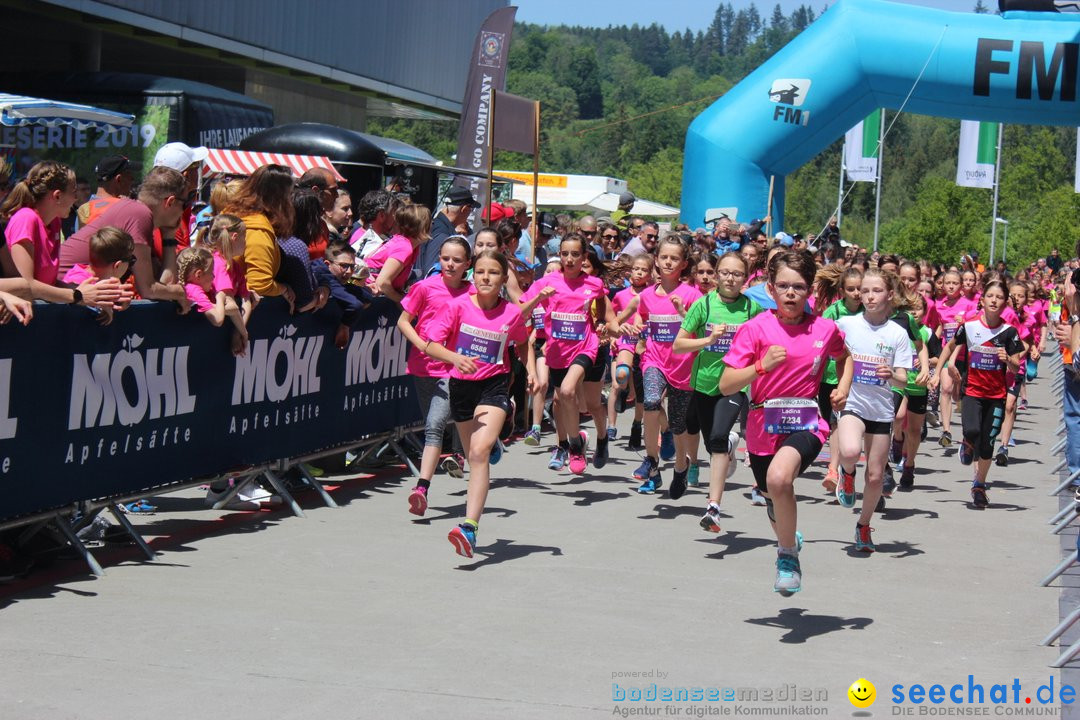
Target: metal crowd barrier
1063, 520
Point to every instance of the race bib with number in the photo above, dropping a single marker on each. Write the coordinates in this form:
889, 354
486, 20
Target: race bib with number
485, 345
866, 369
983, 357
537, 317
784, 416
950, 330
664, 328
723, 343
567, 326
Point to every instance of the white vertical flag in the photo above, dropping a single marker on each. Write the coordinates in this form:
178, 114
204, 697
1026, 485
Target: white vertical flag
1076, 181
978, 154
861, 149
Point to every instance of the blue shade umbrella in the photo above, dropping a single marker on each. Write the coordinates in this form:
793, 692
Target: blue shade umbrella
20, 110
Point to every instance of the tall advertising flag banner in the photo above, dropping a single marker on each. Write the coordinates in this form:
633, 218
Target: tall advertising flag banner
861, 149
1076, 181
487, 72
978, 154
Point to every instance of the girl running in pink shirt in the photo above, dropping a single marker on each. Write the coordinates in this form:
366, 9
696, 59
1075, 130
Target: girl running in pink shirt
782, 355
954, 310
572, 343
423, 304
626, 357
480, 327
660, 310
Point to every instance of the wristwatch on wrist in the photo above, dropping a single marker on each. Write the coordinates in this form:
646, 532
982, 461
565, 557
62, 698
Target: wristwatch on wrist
76, 296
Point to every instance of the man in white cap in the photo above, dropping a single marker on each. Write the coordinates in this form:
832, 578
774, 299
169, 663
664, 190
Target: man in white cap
187, 161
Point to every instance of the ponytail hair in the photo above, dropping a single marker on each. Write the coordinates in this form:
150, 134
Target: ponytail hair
43, 178
829, 283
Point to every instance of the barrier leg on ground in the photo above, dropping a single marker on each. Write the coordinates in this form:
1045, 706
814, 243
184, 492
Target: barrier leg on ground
317, 486
1067, 656
1063, 523
66, 530
1062, 513
286, 497
1067, 481
1061, 628
122, 518
403, 456
238, 482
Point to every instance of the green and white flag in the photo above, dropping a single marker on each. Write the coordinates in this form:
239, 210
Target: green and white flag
861, 149
978, 154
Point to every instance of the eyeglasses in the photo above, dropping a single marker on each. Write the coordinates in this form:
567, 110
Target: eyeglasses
798, 288
610, 236
637, 227
345, 266
730, 273
131, 261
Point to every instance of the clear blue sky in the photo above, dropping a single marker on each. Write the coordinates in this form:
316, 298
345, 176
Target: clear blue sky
674, 14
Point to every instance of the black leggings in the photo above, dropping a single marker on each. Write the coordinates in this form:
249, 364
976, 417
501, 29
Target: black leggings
982, 418
716, 415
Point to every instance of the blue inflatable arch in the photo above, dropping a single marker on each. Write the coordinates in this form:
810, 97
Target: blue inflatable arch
1020, 67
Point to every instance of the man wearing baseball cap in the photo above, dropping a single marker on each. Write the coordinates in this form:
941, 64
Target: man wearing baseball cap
459, 203
187, 161
115, 178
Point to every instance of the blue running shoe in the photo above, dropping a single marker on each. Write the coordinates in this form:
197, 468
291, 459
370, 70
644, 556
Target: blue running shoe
966, 453
496, 452
463, 538
667, 446
798, 541
612, 433
863, 541
788, 574
692, 477
645, 469
845, 489
654, 483
559, 456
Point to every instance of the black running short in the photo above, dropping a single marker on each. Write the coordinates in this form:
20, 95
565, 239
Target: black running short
557, 375
467, 395
806, 443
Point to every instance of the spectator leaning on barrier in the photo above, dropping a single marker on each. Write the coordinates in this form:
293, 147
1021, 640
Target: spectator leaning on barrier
377, 215
393, 263
32, 215
336, 272
112, 255
295, 270
262, 202
159, 205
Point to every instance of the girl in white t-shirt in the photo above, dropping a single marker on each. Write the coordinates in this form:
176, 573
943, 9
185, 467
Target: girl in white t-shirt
881, 353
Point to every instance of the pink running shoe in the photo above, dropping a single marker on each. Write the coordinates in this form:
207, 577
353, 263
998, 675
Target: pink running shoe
418, 501
578, 461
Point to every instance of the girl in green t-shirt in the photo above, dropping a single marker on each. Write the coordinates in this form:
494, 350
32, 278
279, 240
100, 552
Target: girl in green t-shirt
708, 329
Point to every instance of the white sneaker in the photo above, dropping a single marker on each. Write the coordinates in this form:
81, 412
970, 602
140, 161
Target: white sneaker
252, 492
756, 498
732, 443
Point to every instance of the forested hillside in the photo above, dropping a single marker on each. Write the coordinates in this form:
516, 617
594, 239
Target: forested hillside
617, 101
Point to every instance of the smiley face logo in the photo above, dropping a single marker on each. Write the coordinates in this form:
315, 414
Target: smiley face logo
862, 693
